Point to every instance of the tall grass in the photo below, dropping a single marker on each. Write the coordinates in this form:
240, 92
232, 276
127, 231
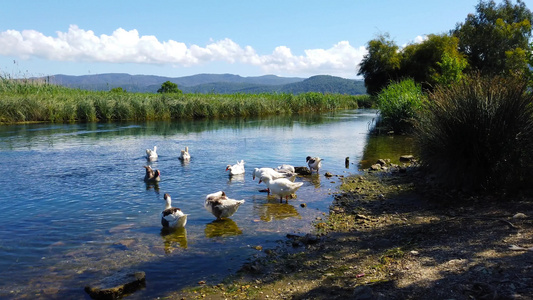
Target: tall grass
26, 101
478, 134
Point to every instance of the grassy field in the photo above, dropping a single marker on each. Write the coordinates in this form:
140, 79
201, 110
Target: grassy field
26, 101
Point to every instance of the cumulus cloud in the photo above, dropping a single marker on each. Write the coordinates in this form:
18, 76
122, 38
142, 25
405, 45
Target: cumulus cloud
124, 46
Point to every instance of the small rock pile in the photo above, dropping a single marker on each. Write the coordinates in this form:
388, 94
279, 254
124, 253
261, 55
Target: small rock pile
386, 165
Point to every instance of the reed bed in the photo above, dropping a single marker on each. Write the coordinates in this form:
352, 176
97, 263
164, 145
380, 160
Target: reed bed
27, 101
478, 133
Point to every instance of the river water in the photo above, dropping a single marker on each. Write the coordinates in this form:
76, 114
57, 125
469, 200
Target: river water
74, 206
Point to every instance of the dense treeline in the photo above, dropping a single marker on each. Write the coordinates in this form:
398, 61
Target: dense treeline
464, 95
38, 102
495, 41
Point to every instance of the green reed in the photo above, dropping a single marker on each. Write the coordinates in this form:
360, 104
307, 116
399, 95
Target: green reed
478, 133
32, 101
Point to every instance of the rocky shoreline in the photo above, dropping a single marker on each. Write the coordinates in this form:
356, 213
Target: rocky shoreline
391, 234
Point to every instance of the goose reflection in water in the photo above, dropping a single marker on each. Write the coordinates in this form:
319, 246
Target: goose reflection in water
185, 162
220, 228
173, 237
152, 185
236, 178
276, 211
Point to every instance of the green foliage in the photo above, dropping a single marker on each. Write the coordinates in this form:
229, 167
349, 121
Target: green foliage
451, 69
168, 87
434, 60
380, 65
478, 133
399, 104
117, 90
495, 40
495, 37
85, 110
529, 74
367, 101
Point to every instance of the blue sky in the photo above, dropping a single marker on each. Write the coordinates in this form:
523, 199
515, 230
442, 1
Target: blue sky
288, 38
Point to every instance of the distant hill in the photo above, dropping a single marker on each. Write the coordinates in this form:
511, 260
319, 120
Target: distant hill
213, 83
326, 84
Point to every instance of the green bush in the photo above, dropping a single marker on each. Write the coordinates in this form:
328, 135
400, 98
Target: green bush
478, 133
399, 104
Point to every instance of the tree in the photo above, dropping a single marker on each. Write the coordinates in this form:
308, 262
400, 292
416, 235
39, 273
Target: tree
433, 61
117, 90
380, 65
530, 63
451, 69
168, 87
497, 37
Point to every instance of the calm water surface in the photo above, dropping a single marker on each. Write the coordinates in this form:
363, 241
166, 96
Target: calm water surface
74, 205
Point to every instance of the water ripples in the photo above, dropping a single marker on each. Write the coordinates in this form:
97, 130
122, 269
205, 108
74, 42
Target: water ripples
76, 194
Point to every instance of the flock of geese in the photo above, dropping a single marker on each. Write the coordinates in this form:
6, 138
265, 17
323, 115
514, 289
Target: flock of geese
279, 181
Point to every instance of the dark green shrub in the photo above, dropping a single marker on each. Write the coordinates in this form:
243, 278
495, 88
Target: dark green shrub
366, 101
478, 133
399, 104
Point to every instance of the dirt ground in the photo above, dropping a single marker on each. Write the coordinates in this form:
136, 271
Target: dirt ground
395, 235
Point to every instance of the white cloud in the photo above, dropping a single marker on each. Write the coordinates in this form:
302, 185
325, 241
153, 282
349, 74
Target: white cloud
124, 46
417, 40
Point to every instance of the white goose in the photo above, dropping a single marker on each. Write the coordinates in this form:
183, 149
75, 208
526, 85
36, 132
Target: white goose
282, 187
258, 172
172, 217
185, 156
151, 175
236, 169
220, 205
286, 169
151, 154
314, 163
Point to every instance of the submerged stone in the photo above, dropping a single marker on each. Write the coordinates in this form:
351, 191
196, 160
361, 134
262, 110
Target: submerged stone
117, 285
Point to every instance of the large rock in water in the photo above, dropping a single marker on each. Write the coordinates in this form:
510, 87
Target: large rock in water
302, 170
117, 285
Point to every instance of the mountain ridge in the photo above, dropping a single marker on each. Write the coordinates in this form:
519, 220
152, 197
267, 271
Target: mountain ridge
211, 83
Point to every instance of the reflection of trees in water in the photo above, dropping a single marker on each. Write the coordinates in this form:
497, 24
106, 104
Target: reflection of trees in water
169, 128
386, 147
315, 180
224, 227
276, 211
173, 236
